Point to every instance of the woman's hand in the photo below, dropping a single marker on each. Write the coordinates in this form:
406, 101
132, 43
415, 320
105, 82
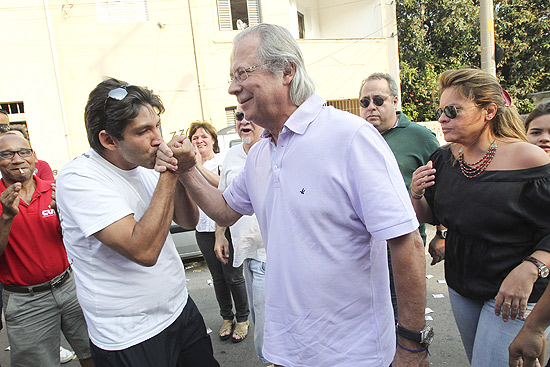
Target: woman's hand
198, 159
437, 249
515, 290
422, 178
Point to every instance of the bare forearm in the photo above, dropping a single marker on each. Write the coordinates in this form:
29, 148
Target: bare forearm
186, 213
220, 232
409, 272
212, 178
539, 319
151, 230
209, 198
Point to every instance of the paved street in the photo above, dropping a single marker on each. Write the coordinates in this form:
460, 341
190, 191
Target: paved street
446, 350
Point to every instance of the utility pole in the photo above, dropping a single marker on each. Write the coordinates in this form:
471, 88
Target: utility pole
487, 27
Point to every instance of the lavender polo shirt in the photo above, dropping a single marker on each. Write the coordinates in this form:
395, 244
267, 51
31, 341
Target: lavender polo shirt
326, 198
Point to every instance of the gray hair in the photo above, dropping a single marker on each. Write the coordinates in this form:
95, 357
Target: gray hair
394, 91
280, 50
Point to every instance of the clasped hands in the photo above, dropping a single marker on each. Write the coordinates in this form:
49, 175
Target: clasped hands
178, 155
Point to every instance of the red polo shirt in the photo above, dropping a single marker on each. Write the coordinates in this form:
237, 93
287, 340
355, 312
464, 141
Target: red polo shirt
35, 252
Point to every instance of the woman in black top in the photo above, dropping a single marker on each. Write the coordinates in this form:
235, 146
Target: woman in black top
491, 189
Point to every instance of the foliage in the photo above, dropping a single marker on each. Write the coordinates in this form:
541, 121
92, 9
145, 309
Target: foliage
435, 36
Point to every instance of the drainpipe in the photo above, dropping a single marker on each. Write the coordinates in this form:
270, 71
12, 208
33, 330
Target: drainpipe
58, 78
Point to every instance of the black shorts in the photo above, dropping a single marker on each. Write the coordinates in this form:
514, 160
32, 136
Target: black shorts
185, 343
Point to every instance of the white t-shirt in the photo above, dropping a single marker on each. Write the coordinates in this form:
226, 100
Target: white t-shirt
124, 303
327, 198
245, 233
214, 165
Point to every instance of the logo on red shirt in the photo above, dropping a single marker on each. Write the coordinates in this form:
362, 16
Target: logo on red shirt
48, 213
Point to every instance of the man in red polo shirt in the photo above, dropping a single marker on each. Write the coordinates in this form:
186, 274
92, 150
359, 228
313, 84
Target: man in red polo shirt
39, 295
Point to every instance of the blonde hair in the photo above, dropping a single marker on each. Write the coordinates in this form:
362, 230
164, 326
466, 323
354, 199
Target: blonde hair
483, 88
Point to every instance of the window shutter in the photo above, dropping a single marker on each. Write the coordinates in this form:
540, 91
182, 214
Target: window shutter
253, 12
224, 15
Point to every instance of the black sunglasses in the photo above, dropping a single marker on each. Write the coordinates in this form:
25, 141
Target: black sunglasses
450, 112
239, 116
377, 100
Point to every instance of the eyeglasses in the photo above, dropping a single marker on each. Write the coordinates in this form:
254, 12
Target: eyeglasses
239, 116
118, 93
9, 154
450, 112
241, 74
4, 128
377, 100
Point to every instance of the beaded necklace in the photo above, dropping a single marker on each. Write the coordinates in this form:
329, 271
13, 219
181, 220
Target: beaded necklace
475, 169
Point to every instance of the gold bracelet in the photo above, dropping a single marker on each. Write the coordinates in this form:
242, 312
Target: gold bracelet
416, 196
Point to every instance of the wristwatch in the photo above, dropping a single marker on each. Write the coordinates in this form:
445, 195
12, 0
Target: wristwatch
424, 336
543, 269
441, 233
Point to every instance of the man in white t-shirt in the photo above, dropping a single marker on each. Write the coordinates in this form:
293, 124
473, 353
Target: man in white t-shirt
328, 195
246, 238
116, 213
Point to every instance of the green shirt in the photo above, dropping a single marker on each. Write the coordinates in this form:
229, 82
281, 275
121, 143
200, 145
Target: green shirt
412, 145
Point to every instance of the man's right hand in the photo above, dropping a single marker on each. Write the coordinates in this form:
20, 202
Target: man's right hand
10, 200
178, 155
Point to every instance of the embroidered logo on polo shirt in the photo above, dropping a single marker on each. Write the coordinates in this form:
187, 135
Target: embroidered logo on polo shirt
48, 213
303, 191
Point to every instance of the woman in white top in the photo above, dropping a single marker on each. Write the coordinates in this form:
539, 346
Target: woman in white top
228, 281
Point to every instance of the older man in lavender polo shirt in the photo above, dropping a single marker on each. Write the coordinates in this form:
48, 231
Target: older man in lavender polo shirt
328, 194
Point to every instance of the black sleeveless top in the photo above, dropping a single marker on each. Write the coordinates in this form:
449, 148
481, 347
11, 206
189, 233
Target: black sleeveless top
494, 221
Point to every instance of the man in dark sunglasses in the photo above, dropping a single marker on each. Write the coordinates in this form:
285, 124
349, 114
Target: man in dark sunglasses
411, 143
116, 214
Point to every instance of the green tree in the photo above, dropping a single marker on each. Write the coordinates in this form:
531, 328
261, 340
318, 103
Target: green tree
435, 36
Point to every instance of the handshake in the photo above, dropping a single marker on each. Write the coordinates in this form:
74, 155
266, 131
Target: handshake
178, 155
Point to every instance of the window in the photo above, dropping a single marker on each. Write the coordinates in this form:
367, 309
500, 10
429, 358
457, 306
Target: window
301, 26
121, 11
230, 115
13, 107
238, 14
349, 105
16, 115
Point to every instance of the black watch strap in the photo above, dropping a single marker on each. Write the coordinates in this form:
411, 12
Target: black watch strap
408, 334
424, 336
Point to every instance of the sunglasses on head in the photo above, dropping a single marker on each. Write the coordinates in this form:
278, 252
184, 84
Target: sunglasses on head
377, 100
118, 93
449, 111
239, 116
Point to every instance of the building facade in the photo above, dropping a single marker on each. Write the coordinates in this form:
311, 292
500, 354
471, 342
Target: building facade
55, 52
